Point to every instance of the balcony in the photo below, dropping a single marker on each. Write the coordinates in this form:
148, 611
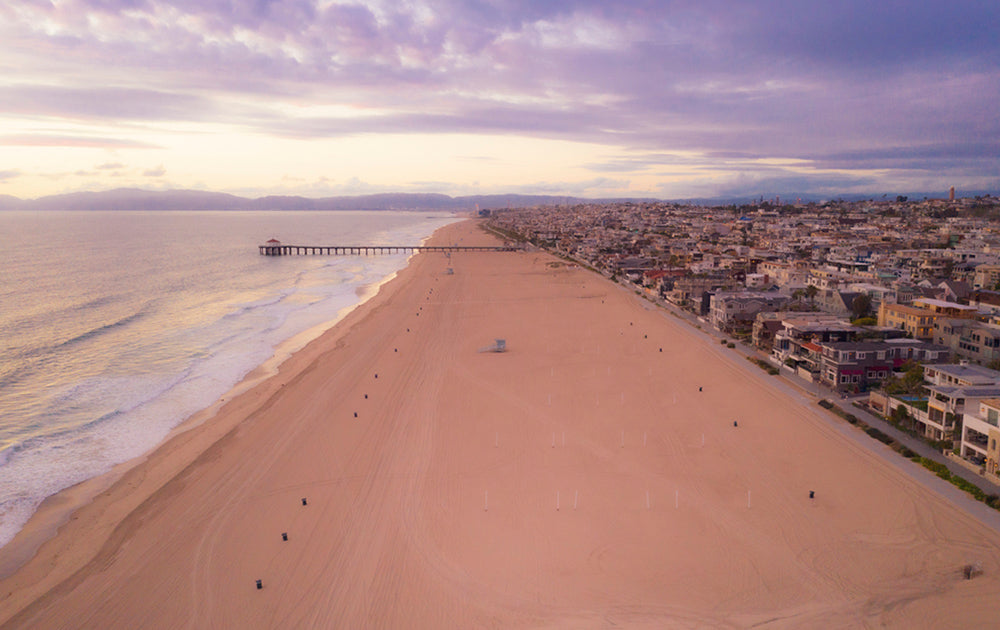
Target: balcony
976, 439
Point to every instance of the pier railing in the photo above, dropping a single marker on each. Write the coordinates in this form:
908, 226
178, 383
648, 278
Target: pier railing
370, 250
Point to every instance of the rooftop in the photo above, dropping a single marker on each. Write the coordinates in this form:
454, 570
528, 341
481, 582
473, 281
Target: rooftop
944, 304
968, 372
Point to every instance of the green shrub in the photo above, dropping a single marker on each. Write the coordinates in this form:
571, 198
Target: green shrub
969, 487
878, 435
935, 467
903, 450
825, 404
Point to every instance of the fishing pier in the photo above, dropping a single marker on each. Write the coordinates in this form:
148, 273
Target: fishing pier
277, 248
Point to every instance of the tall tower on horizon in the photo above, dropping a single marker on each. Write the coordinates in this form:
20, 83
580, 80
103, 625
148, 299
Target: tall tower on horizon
951, 194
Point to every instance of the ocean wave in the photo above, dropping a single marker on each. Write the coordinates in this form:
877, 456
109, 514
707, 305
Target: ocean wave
100, 330
8, 451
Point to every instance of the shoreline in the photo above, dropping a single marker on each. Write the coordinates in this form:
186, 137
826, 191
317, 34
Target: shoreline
581, 478
57, 510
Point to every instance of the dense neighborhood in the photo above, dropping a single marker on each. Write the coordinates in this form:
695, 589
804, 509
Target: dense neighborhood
899, 299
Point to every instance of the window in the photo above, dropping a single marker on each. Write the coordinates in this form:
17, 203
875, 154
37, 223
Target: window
845, 378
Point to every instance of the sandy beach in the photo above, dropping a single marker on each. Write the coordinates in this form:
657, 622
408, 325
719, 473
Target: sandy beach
612, 468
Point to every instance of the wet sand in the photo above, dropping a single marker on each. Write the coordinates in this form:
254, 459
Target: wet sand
579, 479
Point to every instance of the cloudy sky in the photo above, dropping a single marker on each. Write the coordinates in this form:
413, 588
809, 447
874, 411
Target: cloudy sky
597, 98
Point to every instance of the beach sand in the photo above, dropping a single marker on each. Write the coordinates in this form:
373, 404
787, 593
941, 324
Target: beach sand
579, 479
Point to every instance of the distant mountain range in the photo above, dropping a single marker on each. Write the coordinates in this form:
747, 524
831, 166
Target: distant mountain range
137, 199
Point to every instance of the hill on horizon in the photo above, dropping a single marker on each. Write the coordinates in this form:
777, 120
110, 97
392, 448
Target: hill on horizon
119, 199
139, 199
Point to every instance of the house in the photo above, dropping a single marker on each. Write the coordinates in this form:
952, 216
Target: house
969, 339
691, 290
802, 326
985, 301
918, 319
952, 390
960, 375
730, 311
980, 440
857, 365
986, 277
945, 403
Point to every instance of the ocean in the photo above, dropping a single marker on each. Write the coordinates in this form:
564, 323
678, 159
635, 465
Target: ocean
117, 326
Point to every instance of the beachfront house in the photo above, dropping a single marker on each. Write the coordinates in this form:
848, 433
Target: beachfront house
947, 403
980, 440
736, 311
859, 365
951, 390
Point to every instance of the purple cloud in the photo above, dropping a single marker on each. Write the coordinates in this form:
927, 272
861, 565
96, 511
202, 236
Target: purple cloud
845, 85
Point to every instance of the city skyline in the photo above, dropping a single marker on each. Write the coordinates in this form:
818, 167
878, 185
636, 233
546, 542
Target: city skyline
638, 99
